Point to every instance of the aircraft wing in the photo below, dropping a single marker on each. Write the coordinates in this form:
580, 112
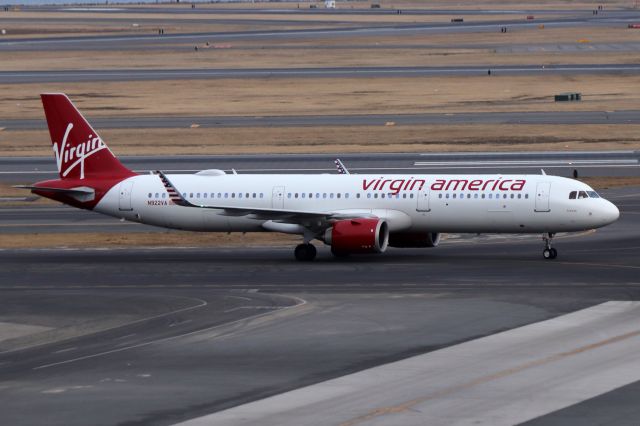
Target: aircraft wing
315, 219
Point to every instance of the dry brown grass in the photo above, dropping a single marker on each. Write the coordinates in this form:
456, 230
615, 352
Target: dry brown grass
604, 182
212, 57
283, 96
429, 138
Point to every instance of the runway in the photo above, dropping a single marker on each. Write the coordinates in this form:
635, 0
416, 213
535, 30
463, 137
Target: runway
515, 117
24, 170
295, 324
23, 77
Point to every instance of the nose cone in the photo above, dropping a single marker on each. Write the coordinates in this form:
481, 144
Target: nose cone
610, 212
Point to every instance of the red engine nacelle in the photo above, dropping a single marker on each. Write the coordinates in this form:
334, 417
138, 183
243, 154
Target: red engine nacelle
414, 239
358, 236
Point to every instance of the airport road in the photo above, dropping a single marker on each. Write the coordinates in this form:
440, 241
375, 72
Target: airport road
514, 117
22, 77
357, 313
362, 30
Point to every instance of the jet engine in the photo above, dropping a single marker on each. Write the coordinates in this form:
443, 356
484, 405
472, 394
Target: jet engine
357, 236
414, 239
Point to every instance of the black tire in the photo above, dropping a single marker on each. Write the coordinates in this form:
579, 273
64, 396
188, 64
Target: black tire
311, 252
546, 253
554, 253
305, 252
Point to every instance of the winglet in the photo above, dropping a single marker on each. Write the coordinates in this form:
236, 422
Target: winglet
174, 194
341, 168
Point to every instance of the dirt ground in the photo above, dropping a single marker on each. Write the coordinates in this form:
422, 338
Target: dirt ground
329, 96
381, 138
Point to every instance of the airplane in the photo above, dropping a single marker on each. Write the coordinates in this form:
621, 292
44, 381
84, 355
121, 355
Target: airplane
352, 213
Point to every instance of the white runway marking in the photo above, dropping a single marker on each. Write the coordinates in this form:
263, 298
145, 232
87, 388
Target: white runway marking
503, 379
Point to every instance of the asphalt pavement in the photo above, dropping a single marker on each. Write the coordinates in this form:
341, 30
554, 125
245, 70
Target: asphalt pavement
292, 324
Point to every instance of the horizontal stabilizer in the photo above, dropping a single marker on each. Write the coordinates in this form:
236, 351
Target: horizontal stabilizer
71, 191
81, 193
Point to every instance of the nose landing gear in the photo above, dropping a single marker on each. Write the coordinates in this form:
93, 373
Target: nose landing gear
305, 252
549, 252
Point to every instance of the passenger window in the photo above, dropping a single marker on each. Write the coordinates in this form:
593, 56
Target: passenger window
512, 195
454, 195
289, 195
490, 196
239, 194
190, 195
338, 195
405, 196
572, 195
411, 196
526, 196
358, 195
310, 195
447, 195
254, 195
296, 195
375, 195
317, 195
198, 195
331, 195
226, 195
519, 196
382, 195
582, 194
483, 196
150, 195
204, 195
346, 195
368, 195
324, 195
164, 194
504, 195
246, 195
439, 195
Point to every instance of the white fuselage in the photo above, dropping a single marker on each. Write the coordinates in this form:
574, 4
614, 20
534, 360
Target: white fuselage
411, 203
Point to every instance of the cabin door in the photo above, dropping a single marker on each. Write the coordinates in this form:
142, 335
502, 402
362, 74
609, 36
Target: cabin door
542, 196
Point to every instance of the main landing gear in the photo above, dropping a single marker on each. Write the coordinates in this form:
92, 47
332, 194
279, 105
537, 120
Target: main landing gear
549, 252
305, 252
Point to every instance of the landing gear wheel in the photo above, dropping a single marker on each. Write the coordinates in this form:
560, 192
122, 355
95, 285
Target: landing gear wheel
549, 252
305, 252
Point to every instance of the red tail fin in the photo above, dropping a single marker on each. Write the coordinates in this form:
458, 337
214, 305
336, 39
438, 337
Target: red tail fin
80, 152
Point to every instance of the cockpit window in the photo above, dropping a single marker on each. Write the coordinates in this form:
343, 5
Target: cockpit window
593, 194
572, 195
582, 194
